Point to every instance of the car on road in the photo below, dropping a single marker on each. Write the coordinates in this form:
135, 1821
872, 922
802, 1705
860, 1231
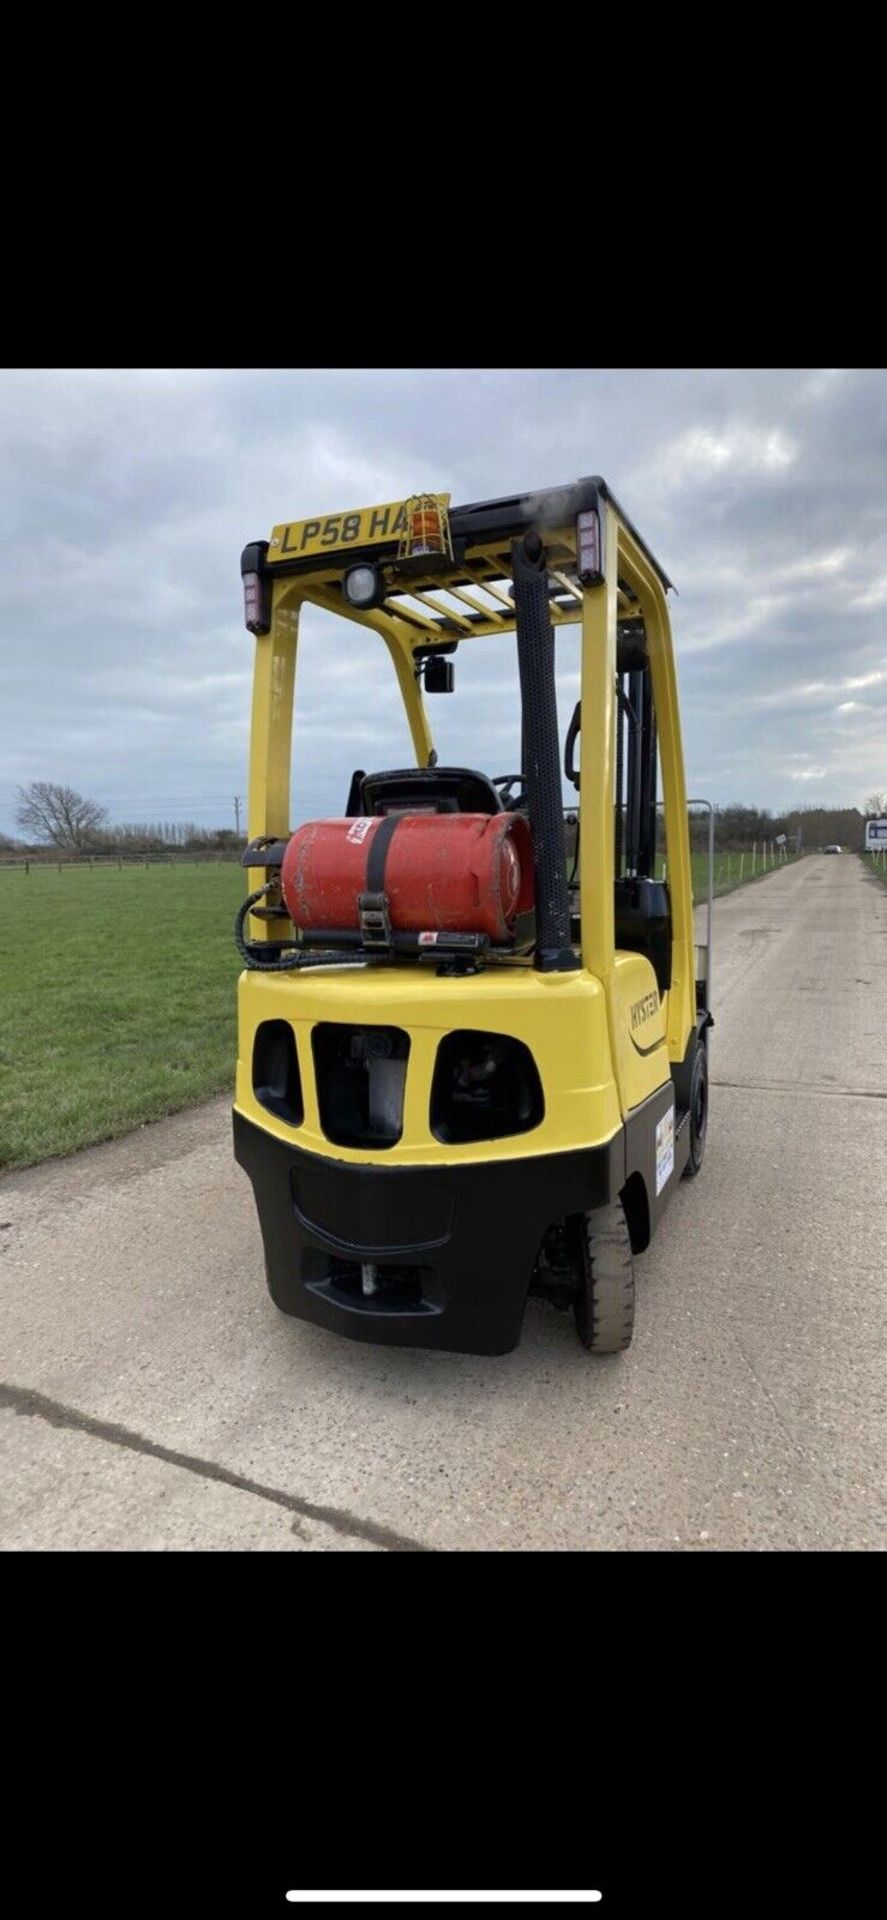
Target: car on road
834, 849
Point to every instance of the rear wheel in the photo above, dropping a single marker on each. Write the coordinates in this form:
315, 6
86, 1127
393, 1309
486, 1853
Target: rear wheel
604, 1304
698, 1112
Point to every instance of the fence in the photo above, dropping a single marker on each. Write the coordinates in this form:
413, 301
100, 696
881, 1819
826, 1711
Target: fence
177, 858
748, 863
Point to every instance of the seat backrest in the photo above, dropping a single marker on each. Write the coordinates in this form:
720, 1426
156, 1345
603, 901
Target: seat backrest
431, 789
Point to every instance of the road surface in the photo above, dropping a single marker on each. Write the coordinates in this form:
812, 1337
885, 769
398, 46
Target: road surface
155, 1399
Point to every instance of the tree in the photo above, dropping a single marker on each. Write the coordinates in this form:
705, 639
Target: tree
876, 805
58, 814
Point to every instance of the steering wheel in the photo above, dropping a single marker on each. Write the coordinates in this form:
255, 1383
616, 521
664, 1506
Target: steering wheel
505, 782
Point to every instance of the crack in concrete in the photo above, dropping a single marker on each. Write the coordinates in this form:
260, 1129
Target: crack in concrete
801, 1086
25, 1400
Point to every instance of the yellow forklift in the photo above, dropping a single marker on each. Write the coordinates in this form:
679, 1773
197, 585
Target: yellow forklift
472, 1065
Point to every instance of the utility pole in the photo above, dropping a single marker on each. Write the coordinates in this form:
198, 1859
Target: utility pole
237, 813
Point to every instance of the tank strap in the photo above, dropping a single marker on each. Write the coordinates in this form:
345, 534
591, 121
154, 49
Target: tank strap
378, 853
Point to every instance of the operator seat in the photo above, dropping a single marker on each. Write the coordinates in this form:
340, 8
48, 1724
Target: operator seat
423, 790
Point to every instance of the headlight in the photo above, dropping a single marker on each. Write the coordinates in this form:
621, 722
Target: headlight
363, 586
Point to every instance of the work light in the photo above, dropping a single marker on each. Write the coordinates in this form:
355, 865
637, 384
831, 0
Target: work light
363, 586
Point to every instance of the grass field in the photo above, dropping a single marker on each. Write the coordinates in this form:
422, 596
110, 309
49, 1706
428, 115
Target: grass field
877, 864
117, 998
728, 869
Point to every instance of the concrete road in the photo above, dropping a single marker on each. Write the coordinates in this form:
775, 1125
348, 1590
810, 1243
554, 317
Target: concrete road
155, 1398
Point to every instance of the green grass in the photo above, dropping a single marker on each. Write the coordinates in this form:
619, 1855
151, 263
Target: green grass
727, 870
877, 865
117, 1000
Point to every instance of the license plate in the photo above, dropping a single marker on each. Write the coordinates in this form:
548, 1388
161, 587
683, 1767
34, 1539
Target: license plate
334, 532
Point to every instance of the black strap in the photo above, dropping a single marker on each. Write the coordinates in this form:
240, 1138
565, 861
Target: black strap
378, 853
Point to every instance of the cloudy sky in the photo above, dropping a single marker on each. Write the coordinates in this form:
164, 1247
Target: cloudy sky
125, 668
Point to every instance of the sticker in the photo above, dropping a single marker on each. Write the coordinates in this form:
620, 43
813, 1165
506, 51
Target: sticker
664, 1149
428, 939
360, 829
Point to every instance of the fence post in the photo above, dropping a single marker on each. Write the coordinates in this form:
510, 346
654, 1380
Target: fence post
754, 855
741, 865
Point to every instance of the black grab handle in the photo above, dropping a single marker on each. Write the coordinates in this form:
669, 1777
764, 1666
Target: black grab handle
264, 851
570, 745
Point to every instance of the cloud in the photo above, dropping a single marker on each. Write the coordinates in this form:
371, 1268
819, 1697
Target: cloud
698, 453
128, 495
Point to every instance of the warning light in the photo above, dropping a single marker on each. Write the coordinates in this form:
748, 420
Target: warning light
427, 528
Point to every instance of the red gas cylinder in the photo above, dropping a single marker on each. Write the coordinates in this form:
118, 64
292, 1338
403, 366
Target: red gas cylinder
442, 872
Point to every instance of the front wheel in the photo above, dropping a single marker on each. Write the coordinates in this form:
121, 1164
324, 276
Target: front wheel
604, 1304
698, 1112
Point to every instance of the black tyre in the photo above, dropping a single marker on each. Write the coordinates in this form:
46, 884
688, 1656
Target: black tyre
604, 1305
698, 1112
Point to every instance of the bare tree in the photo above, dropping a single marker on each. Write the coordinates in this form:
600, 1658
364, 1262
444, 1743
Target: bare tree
59, 815
876, 805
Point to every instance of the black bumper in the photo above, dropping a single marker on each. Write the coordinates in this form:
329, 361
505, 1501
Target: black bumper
451, 1249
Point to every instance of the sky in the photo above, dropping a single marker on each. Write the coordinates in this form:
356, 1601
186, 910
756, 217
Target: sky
128, 495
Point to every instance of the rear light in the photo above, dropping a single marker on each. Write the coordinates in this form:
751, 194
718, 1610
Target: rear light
256, 588
588, 548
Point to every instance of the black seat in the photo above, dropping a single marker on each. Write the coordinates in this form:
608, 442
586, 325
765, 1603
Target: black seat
425, 789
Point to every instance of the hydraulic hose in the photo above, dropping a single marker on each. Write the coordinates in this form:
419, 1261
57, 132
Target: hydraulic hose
288, 958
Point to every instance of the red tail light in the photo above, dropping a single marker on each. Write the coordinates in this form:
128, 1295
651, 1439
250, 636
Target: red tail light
588, 544
256, 588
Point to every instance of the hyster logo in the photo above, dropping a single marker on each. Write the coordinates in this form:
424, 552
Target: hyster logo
644, 1009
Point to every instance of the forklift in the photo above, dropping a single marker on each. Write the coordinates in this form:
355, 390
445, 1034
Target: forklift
472, 1064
